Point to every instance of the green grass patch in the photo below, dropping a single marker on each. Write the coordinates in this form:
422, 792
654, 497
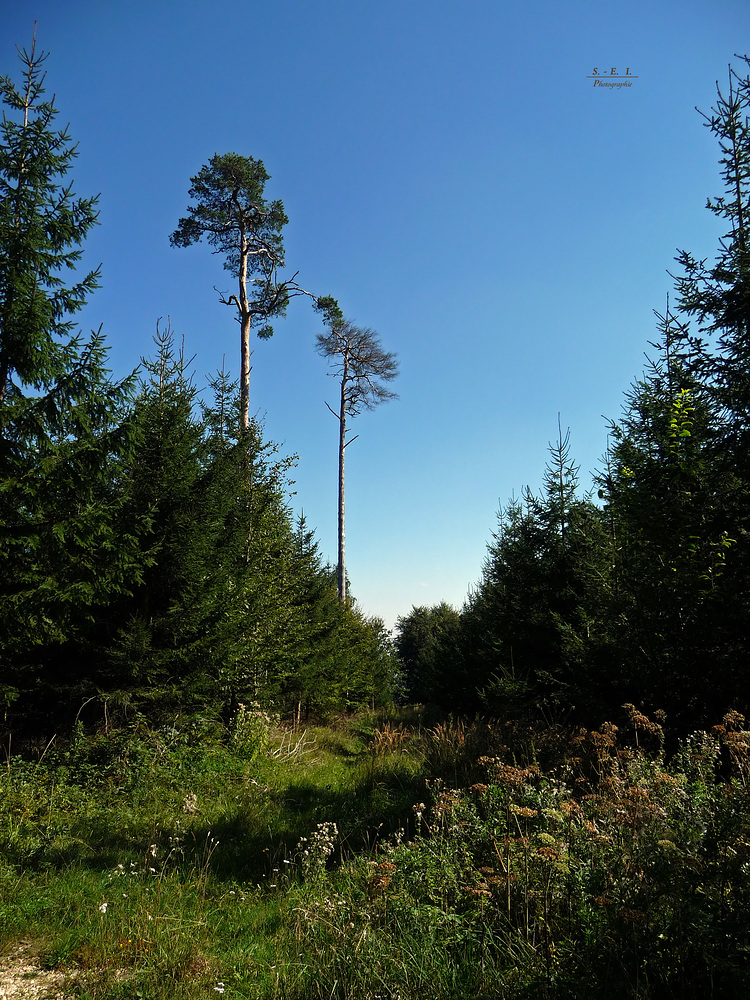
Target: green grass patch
378, 859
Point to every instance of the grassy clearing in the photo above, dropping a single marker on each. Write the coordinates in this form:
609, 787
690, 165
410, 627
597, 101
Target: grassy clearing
166, 863
381, 859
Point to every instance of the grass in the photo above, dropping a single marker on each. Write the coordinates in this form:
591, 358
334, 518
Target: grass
381, 859
151, 862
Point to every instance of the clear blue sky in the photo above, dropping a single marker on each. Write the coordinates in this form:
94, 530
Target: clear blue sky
453, 177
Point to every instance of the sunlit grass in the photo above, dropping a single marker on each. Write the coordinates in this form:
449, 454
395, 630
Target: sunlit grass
157, 857
378, 859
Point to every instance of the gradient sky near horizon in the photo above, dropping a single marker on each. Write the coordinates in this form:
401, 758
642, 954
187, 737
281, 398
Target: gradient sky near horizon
454, 177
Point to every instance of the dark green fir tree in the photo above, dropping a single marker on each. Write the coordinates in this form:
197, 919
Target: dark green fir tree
67, 545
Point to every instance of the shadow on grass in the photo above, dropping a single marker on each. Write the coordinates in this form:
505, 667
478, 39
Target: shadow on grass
249, 828
366, 813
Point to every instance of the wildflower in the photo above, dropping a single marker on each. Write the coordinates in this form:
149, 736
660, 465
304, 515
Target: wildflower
103, 907
733, 718
322, 843
548, 852
219, 988
478, 892
379, 883
570, 809
152, 850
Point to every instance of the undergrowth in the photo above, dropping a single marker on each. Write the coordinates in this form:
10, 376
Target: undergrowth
381, 858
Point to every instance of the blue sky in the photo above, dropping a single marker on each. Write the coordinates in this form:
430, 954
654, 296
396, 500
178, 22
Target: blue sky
453, 177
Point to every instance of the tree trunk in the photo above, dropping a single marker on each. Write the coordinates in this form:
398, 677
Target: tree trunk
245, 373
245, 321
341, 566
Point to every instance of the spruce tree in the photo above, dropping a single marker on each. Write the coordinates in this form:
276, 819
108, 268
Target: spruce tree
42, 229
718, 294
717, 297
309, 684
665, 490
67, 545
426, 648
158, 638
525, 627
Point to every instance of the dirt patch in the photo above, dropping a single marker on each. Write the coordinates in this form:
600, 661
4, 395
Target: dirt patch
21, 978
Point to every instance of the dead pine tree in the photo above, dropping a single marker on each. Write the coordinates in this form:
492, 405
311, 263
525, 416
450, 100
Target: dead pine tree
362, 369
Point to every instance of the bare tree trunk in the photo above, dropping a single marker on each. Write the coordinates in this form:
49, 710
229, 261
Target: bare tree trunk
245, 372
362, 368
341, 567
245, 321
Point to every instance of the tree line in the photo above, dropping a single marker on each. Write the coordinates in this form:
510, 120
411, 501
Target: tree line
149, 558
637, 591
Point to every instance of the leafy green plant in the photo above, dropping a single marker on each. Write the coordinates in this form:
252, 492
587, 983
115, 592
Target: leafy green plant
250, 731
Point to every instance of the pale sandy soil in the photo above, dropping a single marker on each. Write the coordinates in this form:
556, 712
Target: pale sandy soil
22, 979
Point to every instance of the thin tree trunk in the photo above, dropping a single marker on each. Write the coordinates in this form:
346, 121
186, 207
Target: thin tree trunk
342, 448
245, 373
245, 321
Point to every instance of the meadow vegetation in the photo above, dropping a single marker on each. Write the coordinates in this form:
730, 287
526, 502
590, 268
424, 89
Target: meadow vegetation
391, 856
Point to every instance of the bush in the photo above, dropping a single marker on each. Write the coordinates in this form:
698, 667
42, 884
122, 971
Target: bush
250, 730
